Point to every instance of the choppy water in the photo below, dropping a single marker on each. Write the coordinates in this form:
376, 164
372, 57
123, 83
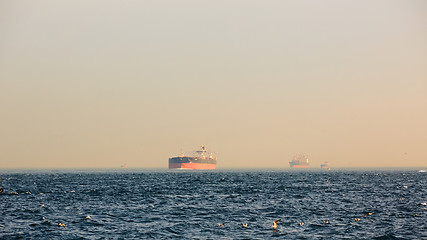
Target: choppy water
190, 204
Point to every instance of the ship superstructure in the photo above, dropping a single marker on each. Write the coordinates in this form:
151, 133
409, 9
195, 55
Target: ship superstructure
200, 159
299, 161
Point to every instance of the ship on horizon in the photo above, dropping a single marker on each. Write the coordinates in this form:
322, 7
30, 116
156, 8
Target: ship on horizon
325, 165
299, 161
200, 159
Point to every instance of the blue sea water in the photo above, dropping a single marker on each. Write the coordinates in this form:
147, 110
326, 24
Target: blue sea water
142, 204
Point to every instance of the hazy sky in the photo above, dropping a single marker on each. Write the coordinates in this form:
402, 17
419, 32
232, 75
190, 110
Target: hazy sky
101, 83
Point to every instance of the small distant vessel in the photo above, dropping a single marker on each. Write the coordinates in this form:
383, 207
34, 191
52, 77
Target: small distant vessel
422, 170
200, 159
325, 165
299, 161
124, 166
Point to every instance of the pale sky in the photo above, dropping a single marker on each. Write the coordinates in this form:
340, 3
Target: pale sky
97, 84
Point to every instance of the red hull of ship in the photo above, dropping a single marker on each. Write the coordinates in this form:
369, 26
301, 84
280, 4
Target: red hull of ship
192, 165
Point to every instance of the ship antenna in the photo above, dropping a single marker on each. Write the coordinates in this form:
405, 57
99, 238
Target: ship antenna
202, 152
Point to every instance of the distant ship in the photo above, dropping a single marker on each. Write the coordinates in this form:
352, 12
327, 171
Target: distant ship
200, 159
325, 165
299, 161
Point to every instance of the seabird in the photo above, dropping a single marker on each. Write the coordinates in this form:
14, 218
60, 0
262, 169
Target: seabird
221, 225
244, 225
326, 221
61, 224
301, 223
357, 219
275, 223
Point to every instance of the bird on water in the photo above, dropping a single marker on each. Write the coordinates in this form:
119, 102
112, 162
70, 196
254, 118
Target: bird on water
275, 222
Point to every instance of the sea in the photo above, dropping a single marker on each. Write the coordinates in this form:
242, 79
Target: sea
218, 204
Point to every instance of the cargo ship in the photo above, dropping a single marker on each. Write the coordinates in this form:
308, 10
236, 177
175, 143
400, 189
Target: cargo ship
200, 159
299, 161
325, 165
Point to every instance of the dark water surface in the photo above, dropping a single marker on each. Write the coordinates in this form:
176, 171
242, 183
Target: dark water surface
190, 204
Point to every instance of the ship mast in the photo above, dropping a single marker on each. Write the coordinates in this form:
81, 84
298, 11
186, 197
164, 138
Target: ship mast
202, 151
